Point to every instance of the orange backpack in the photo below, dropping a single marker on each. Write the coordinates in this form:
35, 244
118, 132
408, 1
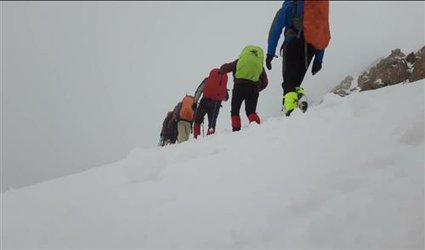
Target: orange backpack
186, 111
316, 23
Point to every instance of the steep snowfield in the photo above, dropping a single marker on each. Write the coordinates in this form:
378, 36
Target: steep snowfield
347, 174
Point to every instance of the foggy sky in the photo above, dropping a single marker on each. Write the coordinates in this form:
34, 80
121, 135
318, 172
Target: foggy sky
83, 83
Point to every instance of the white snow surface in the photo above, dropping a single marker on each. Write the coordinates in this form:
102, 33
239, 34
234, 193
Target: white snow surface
348, 174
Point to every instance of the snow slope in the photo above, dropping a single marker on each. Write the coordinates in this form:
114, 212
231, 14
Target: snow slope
348, 174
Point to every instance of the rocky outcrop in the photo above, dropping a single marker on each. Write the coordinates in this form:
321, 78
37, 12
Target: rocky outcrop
418, 66
389, 71
393, 69
411, 58
345, 87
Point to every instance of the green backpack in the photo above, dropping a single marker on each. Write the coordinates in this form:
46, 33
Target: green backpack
250, 63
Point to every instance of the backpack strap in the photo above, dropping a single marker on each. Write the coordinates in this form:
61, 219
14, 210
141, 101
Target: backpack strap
297, 19
298, 24
305, 55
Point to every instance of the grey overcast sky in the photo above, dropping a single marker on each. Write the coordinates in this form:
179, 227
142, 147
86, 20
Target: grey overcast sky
83, 83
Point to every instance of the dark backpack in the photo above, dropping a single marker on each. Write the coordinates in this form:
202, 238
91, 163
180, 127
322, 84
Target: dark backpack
165, 124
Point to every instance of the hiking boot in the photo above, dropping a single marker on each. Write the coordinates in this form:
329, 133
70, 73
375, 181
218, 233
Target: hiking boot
254, 118
196, 130
302, 99
300, 91
210, 131
290, 102
236, 123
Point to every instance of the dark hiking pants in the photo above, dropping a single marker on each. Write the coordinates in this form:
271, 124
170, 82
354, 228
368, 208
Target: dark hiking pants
209, 107
244, 91
172, 132
297, 56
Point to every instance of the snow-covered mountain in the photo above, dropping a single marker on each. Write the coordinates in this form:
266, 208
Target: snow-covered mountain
85, 82
348, 174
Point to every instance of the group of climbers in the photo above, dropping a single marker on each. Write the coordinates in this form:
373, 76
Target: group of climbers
249, 79
192, 109
306, 32
177, 125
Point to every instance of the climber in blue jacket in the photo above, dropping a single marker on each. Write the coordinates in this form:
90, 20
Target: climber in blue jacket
306, 25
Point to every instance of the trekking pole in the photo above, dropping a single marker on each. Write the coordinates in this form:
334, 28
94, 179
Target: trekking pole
203, 130
305, 56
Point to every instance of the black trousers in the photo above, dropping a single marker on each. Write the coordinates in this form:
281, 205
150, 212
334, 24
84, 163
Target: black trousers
244, 91
210, 107
297, 56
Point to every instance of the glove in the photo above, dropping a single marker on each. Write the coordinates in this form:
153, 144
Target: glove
269, 62
317, 66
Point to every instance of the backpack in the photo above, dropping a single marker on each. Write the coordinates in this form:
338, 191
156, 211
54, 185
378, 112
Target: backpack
216, 86
250, 63
200, 90
165, 123
314, 18
176, 112
186, 111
